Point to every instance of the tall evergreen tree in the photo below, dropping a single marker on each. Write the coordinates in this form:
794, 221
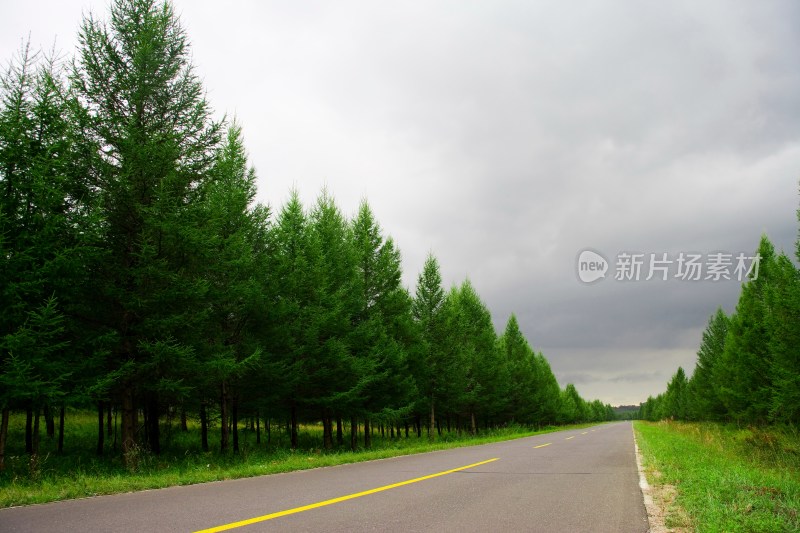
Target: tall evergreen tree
783, 321
676, 397
546, 394
145, 109
429, 367
573, 408
382, 324
704, 401
231, 238
646, 410
744, 374
335, 375
294, 267
518, 355
471, 336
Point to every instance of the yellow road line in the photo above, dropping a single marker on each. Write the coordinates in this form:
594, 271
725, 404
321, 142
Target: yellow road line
543, 445
241, 523
572, 437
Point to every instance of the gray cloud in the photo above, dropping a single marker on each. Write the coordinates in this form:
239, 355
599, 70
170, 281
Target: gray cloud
507, 136
636, 377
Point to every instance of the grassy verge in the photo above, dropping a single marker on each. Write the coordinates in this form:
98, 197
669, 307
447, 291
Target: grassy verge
723, 478
79, 473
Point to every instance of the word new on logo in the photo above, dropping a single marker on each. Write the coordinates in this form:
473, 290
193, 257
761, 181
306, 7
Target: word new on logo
591, 266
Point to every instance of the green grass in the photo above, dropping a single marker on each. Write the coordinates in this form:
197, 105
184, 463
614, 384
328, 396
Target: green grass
726, 478
78, 472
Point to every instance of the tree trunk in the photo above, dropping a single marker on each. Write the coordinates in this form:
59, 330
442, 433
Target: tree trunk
35, 440
101, 428
110, 428
223, 413
129, 421
235, 424
353, 433
258, 428
6, 413
49, 422
61, 415
184, 424
367, 434
473, 426
293, 424
145, 425
432, 426
34, 460
28, 430
327, 430
153, 430
203, 426
170, 417
339, 435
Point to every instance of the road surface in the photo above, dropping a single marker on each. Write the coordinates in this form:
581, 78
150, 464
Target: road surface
574, 480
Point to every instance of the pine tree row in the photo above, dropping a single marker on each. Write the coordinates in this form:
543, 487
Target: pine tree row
748, 364
138, 275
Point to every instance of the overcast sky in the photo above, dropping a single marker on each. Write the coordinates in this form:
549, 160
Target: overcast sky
506, 137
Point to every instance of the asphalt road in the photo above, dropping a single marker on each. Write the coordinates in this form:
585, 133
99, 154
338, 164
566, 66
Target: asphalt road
576, 480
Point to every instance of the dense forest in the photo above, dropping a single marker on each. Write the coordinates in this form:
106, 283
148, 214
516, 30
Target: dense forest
748, 364
139, 277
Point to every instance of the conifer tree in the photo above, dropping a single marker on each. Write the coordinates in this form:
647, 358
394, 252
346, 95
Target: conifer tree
676, 397
229, 262
472, 339
783, 300
428, 365
334, 378
518, 355
294, 268
704, 402
146, 111
744, 375
381, 335
43, 221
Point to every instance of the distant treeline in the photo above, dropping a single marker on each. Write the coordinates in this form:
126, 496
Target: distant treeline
748, 364
626, 412
138, 276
